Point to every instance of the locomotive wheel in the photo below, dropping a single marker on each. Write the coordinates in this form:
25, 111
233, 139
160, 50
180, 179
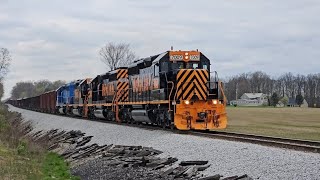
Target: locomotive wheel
160, 120
167, 123
163, 125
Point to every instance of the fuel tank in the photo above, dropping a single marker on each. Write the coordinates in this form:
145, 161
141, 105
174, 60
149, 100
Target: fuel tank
99, 113
140, 116
61, 110
76, 112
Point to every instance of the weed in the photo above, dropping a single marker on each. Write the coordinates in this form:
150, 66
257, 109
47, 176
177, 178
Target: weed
22, 148
55, 167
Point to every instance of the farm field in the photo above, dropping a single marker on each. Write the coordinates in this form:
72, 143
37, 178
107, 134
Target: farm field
297, 123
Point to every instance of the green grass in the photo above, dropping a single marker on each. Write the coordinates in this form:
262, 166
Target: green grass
298, 123
55, 168
32, 166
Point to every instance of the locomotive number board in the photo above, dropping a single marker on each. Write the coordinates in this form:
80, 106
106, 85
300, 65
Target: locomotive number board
184, 56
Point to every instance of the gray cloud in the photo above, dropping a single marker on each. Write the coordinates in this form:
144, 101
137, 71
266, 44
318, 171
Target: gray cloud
60, 39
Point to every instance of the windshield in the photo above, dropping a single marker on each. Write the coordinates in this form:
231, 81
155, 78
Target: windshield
178, 65
192, 65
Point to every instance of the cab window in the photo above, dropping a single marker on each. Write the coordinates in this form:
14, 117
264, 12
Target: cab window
192, 65
195, 65
164, 67
156, 70
205, 67
177, 65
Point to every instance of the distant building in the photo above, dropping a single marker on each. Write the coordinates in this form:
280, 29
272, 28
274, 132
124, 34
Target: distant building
251, 99
292, 103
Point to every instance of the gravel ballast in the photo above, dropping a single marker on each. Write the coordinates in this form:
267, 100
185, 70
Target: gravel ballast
226, 157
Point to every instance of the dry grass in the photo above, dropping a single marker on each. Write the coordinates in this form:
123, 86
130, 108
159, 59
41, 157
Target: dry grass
299, 123
19, 166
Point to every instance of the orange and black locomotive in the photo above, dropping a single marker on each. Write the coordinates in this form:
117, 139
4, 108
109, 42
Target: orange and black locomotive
172, 89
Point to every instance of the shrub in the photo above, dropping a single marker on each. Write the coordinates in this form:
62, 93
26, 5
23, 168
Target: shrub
22, 148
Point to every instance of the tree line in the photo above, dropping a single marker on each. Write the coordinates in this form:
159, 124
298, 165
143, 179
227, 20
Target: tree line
29, 89
286, 85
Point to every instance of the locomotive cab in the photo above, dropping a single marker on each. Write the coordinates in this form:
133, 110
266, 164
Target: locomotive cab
82, 94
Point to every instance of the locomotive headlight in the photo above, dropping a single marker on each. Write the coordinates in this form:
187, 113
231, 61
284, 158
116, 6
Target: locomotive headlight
215, 101
187, 102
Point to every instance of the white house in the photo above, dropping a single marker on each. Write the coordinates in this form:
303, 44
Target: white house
251, 99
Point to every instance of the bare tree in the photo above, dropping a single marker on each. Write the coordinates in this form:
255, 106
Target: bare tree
299, 80
5, 60
116, 55
1, 90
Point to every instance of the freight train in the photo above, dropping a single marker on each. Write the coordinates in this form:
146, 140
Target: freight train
176, 89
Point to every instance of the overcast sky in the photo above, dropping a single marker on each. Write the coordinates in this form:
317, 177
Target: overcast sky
60, 39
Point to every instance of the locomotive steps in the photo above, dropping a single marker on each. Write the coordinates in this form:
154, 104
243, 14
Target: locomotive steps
93, 161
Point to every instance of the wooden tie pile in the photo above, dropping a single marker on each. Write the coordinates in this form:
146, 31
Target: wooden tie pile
72, 145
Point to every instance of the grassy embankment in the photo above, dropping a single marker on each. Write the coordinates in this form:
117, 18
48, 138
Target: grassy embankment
20, 158
298, 123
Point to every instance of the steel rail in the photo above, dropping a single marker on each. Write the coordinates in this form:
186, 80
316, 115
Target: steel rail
295, 144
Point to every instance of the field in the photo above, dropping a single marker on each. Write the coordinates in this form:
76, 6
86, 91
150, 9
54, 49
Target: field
298, 123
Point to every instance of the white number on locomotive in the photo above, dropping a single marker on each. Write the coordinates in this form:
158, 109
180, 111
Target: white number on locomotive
194, 57
176, 57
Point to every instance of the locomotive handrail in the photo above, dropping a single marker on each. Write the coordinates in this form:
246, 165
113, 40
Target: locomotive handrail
209, 87
112, 102
115, 103
216, 76
222, 92
170, 95
165, 74
174, 97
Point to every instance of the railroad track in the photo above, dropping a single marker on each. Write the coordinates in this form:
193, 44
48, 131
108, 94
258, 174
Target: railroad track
294, 144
